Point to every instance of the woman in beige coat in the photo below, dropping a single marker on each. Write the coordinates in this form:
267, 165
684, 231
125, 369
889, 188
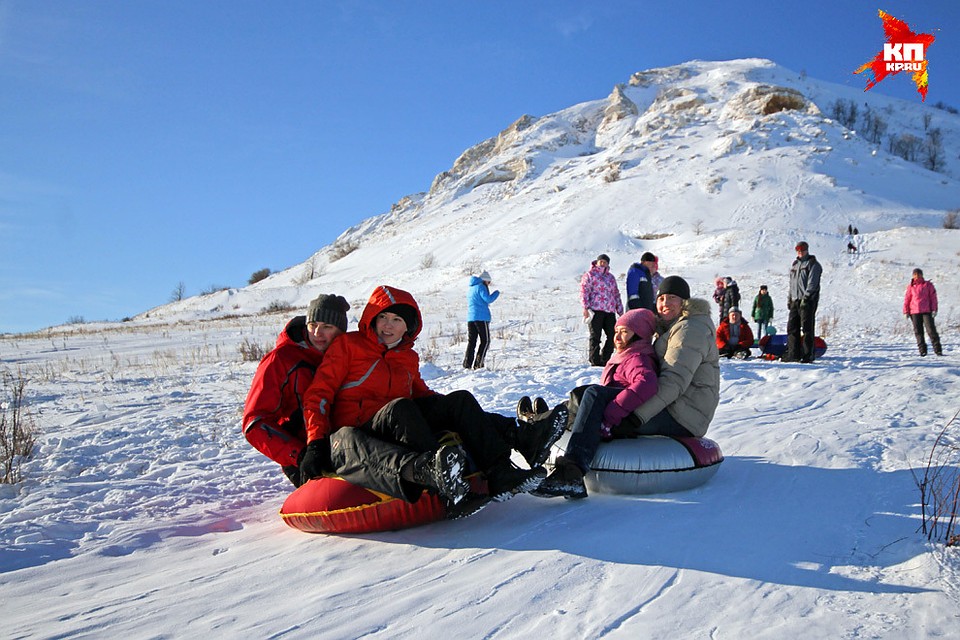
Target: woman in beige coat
689, 380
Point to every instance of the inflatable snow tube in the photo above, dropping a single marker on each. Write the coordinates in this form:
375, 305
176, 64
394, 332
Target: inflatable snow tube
776, 345
649, 464
333, 505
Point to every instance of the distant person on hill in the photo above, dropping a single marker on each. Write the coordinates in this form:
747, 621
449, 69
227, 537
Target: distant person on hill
655, 279
762, 311
688, 385
734, 337
920, 305
731, 297
628, 380
478, 319
641, 293
273, 413
803, 297
719, 284
601, 306
372, 420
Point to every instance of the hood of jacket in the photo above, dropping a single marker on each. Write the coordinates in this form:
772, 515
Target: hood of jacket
382, 298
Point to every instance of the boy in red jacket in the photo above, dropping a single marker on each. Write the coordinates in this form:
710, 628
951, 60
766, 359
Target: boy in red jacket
373, 420
734, 337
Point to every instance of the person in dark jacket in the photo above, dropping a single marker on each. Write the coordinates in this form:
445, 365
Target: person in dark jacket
731, 297
641, 293
479, 299
273, 412
803, 298
920, 306
762, 311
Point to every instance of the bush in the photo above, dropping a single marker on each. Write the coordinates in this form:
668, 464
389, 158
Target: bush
940, 489
277, 307
342, 249
952, 219
18, 431
257, 276
251, 351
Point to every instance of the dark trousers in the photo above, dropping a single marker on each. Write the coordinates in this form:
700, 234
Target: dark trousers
921, 320
476, 329
373, 455
662, 424
602, 322
585, 431
801, 330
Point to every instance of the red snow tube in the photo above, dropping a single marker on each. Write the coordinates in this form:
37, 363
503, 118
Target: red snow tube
333, 505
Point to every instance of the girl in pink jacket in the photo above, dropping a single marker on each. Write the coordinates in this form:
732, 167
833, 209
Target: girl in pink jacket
629, 379
920, 305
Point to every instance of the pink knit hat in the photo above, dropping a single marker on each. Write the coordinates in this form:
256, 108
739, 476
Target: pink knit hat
641, 321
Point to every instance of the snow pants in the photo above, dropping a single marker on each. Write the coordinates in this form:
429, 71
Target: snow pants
801, 330
603, 322
921, 320
476, 329
373, 454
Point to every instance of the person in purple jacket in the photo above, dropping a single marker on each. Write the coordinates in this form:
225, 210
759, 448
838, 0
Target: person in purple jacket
629, 379
920, 305
601, 301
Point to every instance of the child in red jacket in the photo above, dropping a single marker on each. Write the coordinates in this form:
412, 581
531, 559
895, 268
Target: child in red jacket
734, 337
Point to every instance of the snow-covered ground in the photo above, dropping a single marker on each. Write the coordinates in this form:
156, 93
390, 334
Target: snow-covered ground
145, 514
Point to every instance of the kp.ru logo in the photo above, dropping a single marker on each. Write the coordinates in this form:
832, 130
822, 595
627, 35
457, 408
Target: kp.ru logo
904, 50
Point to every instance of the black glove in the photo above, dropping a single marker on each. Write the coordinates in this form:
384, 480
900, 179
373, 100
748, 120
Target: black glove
292, 472
316, 460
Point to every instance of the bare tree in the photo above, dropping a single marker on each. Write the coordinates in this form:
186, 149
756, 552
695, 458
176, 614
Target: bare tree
179, 293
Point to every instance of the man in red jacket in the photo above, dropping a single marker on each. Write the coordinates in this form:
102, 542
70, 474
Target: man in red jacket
373, 421
920, 305
734, 337
273, 413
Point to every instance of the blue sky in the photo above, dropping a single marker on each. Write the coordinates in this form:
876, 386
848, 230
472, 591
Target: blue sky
146, 143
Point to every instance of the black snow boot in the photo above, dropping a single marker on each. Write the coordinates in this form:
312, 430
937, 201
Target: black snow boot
525, 409
537, 435
506, 479
565, 481
443, 470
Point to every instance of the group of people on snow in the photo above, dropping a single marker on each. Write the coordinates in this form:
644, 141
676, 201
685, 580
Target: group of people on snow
328, 401
353, 403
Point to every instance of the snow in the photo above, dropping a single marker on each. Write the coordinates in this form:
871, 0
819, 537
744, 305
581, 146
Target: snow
145, 514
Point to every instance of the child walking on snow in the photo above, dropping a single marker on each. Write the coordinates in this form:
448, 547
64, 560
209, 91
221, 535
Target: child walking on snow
629, 379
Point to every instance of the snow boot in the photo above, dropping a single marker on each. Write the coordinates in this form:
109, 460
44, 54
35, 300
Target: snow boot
443, 470
525, 409
540, 406
536, 436
565, 481
506, 479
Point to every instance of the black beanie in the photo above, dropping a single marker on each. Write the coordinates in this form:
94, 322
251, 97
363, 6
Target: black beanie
603, 256
675, 285
329, 309
408, 313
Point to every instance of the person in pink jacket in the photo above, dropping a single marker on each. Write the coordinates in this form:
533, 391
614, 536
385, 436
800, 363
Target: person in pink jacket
629, 379
920, 305
600, 297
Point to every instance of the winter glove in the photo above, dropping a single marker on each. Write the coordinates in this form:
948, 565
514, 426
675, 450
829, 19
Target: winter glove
933, 314
292, 472
316, 460
606, 432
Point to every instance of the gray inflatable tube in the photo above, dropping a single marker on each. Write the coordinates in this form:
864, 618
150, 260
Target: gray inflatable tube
649, 464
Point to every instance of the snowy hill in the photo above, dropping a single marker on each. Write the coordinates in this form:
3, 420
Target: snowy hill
732, 162
145, 514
